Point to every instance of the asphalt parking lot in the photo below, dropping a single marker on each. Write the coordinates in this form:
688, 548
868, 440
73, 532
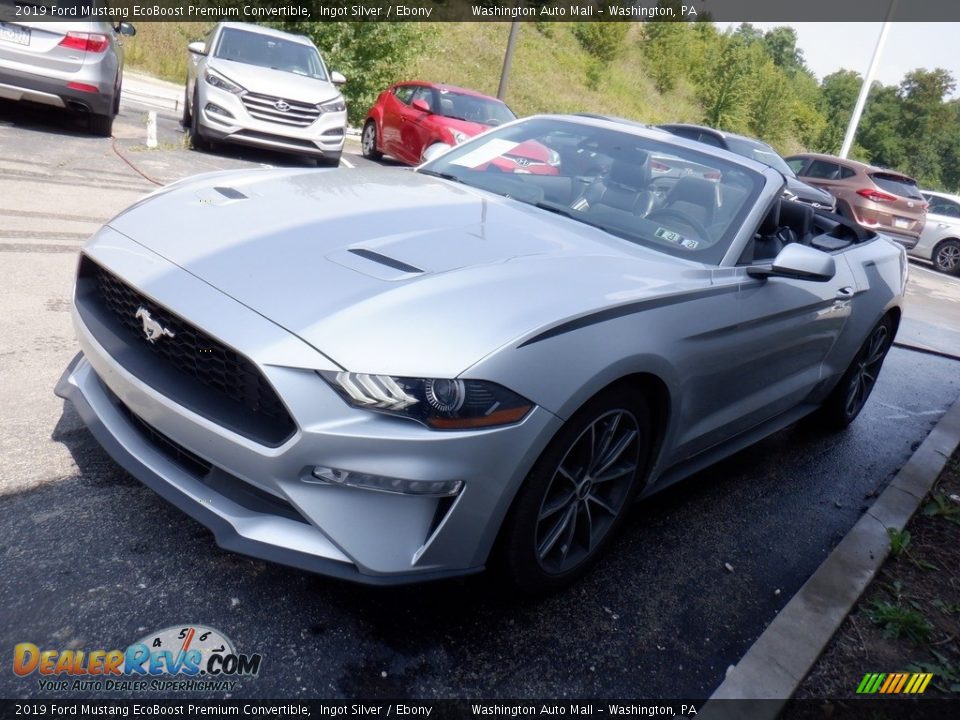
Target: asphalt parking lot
92, 559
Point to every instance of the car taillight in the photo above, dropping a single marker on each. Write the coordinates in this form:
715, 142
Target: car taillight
658, 166
712, 175
876, 195
85, 42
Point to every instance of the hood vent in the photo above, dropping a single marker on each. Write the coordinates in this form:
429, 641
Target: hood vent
384, 260
231, 193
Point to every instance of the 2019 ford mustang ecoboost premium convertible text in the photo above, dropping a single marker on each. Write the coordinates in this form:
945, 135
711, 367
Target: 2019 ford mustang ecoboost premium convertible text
393, 376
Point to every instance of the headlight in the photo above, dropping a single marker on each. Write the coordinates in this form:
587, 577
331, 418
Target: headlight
337, 105
219, 81
459, 137
437, 403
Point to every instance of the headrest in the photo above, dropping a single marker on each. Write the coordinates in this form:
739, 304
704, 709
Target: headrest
771, 221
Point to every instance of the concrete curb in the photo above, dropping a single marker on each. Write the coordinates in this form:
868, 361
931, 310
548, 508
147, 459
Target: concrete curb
780, 659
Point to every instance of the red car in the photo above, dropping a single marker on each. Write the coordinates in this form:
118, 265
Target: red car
409, 117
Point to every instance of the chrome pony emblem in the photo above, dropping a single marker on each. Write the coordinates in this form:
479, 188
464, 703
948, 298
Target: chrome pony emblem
151, 328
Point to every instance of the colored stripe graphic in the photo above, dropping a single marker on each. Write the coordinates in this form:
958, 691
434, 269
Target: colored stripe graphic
894, 683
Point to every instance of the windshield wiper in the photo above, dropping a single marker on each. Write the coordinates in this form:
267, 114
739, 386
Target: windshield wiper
444, 175
579, 217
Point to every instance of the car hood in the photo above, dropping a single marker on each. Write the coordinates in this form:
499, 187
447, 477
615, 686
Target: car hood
809, 193
278, 83
388, 271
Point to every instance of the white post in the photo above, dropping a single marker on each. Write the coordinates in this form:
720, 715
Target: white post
152, 129
867, 82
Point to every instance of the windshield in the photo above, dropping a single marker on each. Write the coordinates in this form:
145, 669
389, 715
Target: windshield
272, 52
473, 109
653, 193
760, 153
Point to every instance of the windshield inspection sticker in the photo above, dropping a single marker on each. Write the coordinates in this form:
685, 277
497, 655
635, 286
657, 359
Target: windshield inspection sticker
689, 244
669, 235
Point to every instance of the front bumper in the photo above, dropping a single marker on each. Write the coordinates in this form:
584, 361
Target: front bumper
324, 137
261, 501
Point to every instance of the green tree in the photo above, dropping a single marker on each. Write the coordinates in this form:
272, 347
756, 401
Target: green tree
603, 40
838, 95
371, 55
726, 88
924, 120
771, 109
664, 49
781, 45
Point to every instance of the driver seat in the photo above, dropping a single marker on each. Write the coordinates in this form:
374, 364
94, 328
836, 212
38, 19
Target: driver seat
625, 187
694, 197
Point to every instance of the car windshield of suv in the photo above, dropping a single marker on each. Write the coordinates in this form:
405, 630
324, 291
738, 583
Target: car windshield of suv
760, 153
460, 106
897, 184
271, 52
653, 193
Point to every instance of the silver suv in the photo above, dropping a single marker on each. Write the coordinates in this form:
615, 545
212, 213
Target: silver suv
75, 64
257, 86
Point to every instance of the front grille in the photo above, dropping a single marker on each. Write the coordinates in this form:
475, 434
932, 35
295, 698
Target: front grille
189, 366
193, 464
280, 110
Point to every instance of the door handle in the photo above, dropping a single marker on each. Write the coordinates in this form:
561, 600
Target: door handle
845, 293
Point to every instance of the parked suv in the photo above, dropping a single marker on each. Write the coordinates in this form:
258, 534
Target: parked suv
940, 240
879, 199
759, 151
75, 64
258, 86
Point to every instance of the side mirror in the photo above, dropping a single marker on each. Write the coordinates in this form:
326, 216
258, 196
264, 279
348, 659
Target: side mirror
434, 151
126, 29
337, 78
799, 262
197, 48
420, 105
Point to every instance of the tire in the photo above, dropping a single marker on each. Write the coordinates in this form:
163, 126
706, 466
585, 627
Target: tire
101, 125
562, 517
847, 399
185, 116
946, 257
368, 141
331, 161
197, 141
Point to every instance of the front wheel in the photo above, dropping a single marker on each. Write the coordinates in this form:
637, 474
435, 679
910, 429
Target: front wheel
368, 141
850, 395
577, 493
197, 140
946, 257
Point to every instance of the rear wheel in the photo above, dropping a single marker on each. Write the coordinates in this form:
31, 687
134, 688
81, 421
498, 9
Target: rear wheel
577, 494
101, 125
946, 257
368, 141
850, 395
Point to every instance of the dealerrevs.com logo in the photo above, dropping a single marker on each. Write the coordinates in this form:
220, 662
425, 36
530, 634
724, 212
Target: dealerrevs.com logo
179, 658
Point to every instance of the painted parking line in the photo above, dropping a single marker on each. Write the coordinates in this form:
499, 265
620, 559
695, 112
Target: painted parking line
347, 163
935, 273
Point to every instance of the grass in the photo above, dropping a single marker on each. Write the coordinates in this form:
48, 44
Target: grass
898, 621
549, 73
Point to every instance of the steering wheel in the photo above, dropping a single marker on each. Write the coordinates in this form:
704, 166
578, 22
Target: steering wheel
680, 217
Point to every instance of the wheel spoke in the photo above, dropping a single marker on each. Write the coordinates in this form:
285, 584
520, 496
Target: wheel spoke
586, 511
622, 444
614, 473
607, 437
563, 471
602, 503
555, 534
571, 530
555, 507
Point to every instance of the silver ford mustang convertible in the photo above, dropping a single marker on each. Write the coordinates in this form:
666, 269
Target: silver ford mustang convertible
398, 375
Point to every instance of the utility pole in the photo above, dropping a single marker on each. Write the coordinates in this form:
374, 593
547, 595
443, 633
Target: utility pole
507, 58
867, 82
